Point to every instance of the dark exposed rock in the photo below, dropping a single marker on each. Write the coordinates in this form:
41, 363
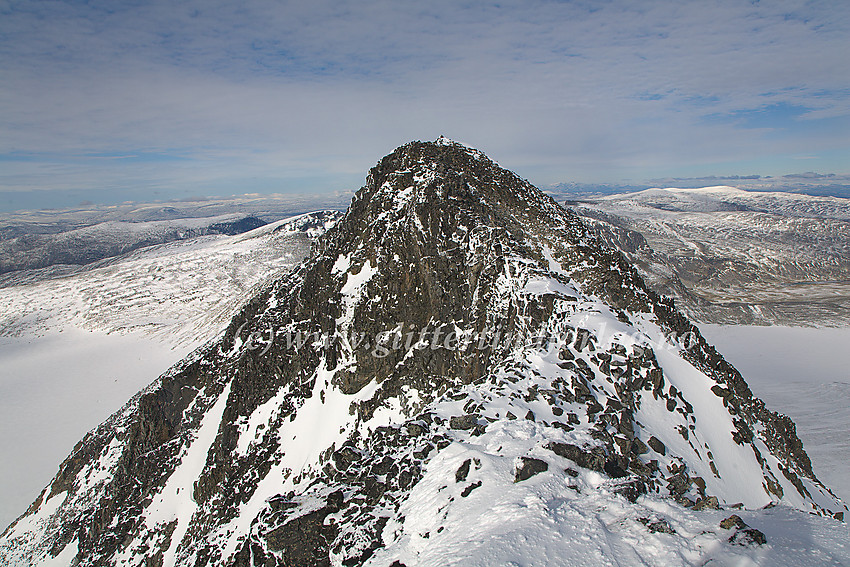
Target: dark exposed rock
528, 467
657, 445
700, 483
631, 489
463, 421
593, 459
463, 471
748, 536
345, 457
303, 541
722, 392
733, 521
639, 447
414, 428
707, 503
593, 407
678, 484
613, 469
659, 525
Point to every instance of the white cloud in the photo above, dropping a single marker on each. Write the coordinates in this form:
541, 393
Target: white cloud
559, 91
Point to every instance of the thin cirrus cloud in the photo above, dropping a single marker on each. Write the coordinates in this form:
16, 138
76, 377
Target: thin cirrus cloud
214, 97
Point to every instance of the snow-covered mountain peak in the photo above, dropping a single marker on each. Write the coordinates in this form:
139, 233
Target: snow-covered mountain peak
456, 343
444, 141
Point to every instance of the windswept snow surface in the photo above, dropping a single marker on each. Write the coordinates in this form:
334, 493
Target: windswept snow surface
805, 374
554, 519
75, 348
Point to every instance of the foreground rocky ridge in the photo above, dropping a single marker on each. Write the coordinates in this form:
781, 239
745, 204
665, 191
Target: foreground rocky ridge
455, 323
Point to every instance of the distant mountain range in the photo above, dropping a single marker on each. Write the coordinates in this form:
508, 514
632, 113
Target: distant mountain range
808, 183
72, 237
733, 256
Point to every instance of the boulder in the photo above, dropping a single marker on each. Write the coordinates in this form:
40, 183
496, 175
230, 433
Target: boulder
467, 421
528, 467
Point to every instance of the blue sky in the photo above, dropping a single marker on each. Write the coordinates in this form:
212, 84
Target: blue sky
117, 100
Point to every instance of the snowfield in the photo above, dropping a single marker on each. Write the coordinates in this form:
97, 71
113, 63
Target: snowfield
54, 388
804, 373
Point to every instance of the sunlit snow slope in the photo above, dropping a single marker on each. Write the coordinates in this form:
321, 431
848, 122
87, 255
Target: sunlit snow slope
803, 372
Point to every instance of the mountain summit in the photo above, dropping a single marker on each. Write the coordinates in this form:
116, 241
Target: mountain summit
460, 373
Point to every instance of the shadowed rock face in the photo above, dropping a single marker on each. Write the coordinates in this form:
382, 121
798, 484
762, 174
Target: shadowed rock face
296, 437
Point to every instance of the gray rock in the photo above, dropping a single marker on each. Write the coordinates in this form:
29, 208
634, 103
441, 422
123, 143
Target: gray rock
463, 422
463, 471
638, 447
529, 466
593, 459
660, 525
657, 445
733, 521
748, 537
707, 503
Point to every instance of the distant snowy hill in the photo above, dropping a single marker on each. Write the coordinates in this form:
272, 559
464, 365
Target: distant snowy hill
460, 373
77, 341
86, 234
735, 257
92, 243
181, 291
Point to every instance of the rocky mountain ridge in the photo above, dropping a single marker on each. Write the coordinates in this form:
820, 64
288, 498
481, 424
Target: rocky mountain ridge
456, 335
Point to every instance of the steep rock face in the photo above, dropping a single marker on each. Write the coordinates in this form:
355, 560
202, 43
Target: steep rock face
455, 314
